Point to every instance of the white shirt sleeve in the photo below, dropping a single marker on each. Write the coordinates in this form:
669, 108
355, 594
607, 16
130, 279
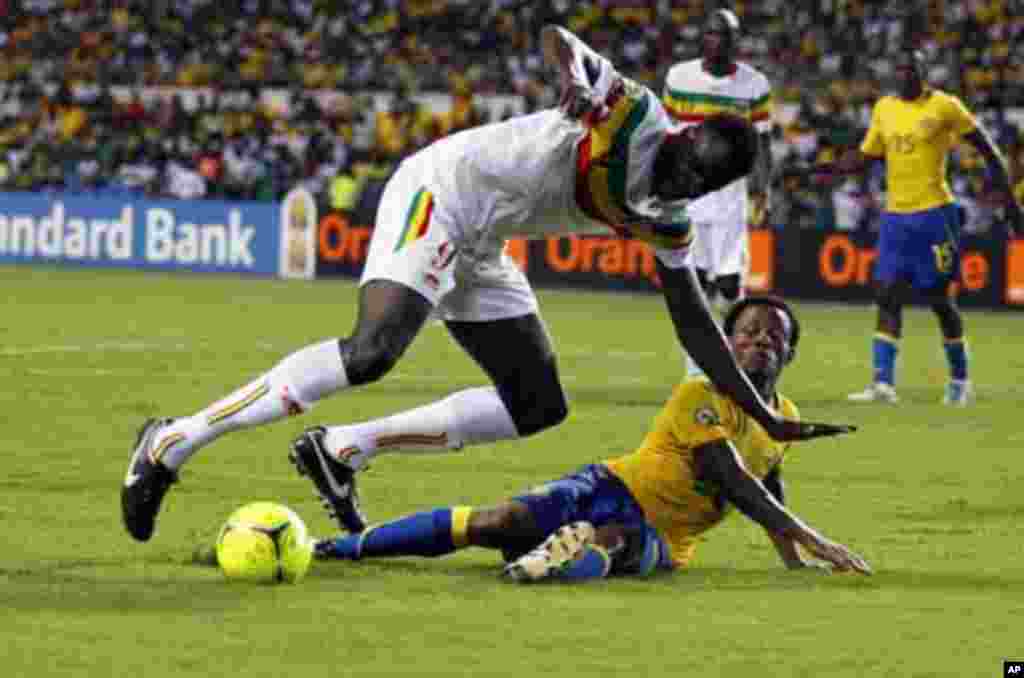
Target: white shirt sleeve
589, 68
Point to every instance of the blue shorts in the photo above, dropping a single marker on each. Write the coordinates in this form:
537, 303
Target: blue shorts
596, 495
921, 248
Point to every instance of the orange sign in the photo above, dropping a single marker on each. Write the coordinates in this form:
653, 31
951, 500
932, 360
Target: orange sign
340, 241
761, 277
611, 256
1015, 272
974, 271
842, 263
519, 250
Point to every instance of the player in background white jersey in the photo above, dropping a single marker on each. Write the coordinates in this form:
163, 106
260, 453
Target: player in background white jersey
712, 84
603, 160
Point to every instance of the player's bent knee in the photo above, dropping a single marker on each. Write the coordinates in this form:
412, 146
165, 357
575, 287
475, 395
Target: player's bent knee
886, 299
501, 525
534, 397
546, 412
367, 358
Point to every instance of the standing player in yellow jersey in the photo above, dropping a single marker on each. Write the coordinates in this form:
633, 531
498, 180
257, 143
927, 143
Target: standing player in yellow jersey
715, 83
918, 240
643, 511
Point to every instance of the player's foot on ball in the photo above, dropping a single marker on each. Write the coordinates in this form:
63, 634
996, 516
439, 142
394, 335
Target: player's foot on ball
553, 555
878, 392
145, 483
958, 393
335, 482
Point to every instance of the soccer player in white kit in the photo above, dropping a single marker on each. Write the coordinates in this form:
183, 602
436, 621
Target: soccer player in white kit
694, 90
603, 161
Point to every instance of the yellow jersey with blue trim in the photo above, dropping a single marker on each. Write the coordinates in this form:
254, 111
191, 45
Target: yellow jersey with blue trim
661, 473
915, 138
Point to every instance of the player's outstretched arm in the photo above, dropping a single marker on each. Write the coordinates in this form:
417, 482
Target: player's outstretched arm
719, 465
996, 165
702, 338
786, 547
582, 72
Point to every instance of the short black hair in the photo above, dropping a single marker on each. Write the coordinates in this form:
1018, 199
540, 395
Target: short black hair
729, 324
743, 148
728, 17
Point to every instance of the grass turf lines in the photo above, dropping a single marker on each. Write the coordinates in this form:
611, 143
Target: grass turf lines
930, 495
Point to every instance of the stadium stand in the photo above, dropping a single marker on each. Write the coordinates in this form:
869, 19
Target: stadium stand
93, 91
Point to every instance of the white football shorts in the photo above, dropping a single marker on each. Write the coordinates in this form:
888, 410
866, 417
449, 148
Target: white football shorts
720, 246
466, 280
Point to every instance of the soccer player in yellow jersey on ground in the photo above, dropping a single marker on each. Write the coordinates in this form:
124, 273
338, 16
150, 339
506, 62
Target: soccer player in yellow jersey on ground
918, 240
642, 512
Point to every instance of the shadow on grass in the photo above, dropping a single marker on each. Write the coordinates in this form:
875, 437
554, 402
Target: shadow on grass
723, 579
143, 586
406, 567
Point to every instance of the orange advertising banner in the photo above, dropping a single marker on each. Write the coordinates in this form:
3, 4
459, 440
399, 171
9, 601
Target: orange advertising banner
1015, 272
761, 276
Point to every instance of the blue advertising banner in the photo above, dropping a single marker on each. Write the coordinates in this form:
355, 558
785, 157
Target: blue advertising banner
208, 236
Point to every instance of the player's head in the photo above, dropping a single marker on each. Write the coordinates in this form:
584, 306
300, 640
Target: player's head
721, 36
706, 157
910, 70
763, 332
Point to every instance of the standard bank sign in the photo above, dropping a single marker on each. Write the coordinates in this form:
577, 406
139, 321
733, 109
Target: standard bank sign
204, 236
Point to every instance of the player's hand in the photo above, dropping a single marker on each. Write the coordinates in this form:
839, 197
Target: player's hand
759, 206
1014, 216
841, 558
787, 430
576, 102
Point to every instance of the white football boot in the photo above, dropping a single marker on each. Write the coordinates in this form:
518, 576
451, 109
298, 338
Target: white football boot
554, 553
878, 392
959, 393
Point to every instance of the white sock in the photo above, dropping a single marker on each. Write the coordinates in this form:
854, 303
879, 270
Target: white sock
475, 415
290, 388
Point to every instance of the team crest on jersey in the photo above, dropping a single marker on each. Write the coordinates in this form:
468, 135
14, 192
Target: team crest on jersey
706, 416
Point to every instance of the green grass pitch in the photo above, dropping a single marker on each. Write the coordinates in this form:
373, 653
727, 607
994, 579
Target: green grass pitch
932, 496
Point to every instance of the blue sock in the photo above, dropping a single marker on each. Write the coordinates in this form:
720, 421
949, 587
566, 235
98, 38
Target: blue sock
956, 355
594, 563
430, 533
883, 351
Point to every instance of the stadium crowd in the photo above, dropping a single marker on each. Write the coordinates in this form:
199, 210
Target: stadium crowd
92, 90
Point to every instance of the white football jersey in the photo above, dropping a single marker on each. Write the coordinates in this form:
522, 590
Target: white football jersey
692, 94
543, 174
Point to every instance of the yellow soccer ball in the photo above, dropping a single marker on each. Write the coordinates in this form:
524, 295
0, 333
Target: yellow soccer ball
264, 543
